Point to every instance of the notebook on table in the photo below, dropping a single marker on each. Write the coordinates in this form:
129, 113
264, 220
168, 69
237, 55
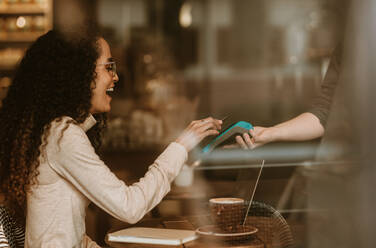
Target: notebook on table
155, 236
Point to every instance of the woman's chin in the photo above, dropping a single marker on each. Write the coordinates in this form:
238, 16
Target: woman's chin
101, 110
106, 110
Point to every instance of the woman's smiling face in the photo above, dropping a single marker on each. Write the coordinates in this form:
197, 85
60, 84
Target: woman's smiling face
105, 80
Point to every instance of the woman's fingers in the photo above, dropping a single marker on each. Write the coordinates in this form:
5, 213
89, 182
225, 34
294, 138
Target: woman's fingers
241, 142
211, 127
198, 130
245, 141
208, 126
216, 123
248, 140
252, 132
208, 133
231, 146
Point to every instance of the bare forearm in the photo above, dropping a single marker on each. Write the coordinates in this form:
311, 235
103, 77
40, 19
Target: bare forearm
303, 127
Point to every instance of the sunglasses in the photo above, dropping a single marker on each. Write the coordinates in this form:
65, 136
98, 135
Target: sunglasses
110, 67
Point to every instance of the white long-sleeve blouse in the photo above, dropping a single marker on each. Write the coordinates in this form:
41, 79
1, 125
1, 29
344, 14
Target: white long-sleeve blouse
71, 175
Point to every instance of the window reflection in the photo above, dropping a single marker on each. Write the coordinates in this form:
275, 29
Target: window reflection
262, 60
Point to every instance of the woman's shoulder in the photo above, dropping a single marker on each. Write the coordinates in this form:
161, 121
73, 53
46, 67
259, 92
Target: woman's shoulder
63, 122
64, 126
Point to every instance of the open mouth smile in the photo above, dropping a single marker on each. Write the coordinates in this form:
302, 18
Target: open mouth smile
110, 91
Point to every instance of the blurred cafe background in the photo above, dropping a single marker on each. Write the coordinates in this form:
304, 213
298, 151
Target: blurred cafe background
260, 61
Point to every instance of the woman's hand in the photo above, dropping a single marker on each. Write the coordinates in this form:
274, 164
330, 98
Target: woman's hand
306, 126
197, 131
256, 137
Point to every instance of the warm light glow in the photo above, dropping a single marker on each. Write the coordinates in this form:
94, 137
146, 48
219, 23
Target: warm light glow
293, 60
148, 58
185, 16
153, 85
21, 22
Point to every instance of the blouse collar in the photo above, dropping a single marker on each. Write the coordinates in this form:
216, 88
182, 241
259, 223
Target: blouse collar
88, 123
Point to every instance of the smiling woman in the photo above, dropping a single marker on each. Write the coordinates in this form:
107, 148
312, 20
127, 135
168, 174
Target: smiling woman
105, 80
51, 122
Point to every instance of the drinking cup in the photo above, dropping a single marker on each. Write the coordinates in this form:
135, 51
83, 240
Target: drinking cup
227, 213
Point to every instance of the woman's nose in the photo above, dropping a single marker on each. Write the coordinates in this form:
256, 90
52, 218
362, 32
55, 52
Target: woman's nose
116, 78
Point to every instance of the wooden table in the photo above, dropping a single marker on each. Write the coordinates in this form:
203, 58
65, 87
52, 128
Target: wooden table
189, 223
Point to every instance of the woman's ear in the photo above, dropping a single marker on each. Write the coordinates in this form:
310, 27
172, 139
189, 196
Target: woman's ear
93, 85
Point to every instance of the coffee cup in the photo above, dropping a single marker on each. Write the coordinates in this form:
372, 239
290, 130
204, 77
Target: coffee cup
227, 213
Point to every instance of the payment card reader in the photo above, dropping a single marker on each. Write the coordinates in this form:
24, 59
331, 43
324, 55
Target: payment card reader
237, 128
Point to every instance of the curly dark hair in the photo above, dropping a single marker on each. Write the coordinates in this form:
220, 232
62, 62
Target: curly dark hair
54, 79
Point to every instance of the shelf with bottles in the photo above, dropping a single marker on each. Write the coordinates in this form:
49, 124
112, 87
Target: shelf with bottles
24, 6
20, 36
9, 57
22, 9
24, 20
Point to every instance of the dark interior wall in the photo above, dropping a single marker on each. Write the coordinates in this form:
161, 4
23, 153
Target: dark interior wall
73, 12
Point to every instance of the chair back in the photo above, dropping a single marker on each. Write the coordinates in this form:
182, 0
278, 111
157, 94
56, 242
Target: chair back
3, 239
272, 227
11, 233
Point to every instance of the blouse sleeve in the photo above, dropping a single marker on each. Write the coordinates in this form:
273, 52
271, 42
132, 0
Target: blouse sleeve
322, 103
74, 158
